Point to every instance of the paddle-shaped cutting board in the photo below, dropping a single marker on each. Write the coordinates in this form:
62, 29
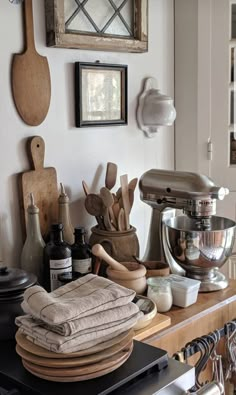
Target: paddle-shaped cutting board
42, 182
31, 86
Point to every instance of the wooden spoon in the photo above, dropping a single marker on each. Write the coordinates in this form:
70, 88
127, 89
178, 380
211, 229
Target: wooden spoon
116, 210
131, 199
111, 174
107, 197
121, 220
108, 202
31, 85
99, 251
94, 206
132, 184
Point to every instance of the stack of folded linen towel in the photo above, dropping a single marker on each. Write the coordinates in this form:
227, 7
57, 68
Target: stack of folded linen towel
78, 315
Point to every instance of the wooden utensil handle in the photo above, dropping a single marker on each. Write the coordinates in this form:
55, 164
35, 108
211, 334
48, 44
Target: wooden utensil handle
99, 251
29, 26
36, 152
125, 198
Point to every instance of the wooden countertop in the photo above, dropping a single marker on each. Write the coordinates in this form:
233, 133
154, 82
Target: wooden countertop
206, 304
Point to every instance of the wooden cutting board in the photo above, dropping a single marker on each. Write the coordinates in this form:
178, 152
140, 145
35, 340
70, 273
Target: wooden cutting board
42, 182
82, 377
42, 352
81, 370
73, 362
31, 85
159, 322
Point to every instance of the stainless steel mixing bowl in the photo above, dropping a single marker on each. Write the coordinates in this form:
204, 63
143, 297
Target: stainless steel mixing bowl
196, 248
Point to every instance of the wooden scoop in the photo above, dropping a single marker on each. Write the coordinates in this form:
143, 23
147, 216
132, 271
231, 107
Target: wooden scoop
31, 84
99, 251
111, 174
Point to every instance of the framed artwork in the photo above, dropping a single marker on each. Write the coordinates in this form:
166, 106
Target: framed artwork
100, 94
106, 25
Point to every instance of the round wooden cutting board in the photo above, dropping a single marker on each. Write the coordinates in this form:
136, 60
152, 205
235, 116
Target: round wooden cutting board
32, 348
80, 377
74, 362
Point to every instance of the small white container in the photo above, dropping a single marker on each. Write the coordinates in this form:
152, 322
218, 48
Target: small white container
159, 290
184, 290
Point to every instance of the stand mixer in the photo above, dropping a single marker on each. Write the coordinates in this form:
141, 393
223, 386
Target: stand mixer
196, 244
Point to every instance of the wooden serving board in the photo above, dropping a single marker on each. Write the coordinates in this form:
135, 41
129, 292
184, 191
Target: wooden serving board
80, 370
42, 182
160, 321
42, 352
59, 378
73, 362
31, 85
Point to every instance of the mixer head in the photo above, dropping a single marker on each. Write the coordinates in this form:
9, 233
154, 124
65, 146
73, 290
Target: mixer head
196, 194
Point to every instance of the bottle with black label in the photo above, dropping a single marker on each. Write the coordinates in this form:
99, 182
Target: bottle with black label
57, 258
81, 253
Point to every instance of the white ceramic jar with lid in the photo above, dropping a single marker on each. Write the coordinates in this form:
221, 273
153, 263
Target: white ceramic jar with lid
160, 292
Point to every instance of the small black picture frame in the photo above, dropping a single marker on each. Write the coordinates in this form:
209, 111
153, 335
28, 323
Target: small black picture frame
100, 94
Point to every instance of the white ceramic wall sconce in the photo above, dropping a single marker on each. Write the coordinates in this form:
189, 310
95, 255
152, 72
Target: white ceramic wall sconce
154, 109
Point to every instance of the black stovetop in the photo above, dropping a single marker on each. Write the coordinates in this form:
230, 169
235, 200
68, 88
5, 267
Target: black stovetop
144, 360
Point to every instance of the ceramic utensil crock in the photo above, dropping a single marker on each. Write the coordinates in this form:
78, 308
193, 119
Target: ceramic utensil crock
13, 283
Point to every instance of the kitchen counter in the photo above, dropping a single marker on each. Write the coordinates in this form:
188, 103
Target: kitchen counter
211, 311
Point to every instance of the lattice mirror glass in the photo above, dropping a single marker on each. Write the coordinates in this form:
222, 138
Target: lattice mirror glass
112, 25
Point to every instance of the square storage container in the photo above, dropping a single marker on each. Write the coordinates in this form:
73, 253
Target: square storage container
184, 290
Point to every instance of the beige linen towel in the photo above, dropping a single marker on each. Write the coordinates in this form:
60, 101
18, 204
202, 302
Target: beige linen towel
57, 343
80, 298
101, 320
106, 340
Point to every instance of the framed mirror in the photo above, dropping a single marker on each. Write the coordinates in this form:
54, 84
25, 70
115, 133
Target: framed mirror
116, 25
100, 94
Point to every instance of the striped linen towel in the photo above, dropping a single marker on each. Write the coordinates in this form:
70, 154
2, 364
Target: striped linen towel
81, 340
101, 320
80, 298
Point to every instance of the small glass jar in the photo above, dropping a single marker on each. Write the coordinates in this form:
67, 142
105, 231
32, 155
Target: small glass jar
159, 290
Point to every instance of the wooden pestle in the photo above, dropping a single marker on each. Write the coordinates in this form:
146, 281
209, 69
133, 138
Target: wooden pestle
99, 251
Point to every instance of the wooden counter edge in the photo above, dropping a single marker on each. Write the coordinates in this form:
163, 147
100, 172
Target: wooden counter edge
206, 304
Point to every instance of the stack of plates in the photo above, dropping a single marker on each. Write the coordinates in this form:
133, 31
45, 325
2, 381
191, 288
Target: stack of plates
78, 366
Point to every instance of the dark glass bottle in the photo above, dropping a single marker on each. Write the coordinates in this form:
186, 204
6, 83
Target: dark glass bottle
81, 253
57, 258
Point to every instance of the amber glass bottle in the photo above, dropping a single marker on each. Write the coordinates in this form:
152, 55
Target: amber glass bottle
81, 253
57, 258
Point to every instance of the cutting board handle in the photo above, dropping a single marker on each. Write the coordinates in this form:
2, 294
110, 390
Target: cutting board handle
37, 151
29, 26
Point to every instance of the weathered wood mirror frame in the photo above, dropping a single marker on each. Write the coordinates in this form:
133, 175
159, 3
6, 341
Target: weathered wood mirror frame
58, 37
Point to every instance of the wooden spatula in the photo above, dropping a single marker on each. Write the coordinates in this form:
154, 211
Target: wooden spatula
31, 84
125, 198
111, 174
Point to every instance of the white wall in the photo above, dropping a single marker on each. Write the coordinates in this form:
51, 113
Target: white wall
79, 154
